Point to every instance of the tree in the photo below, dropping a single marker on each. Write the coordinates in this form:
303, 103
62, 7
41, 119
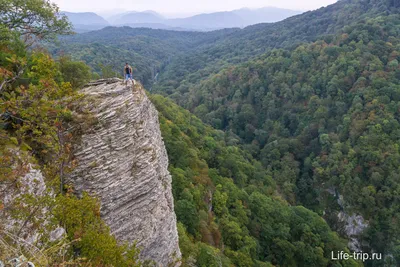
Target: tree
75, 72
90, 235
107, 71
33, 19
186, 212
22, 23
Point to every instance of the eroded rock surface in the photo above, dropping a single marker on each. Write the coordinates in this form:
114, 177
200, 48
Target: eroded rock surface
31, 227
353, 225
123, 161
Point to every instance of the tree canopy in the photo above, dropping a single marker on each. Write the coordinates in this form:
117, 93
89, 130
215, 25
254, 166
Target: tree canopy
33, 18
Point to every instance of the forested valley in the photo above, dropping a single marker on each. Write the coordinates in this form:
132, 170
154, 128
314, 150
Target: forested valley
277, 134
322, 117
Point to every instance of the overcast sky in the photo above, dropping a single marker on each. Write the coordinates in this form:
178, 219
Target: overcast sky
185, 6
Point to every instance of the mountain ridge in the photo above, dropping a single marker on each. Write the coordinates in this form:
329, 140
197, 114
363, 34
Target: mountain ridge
203, 21
255, 40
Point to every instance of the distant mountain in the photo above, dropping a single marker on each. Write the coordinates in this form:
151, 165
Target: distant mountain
85, 18
134, 17
266, 14
154, 13
86, 21
236, 18
89, 21
211, 21
159, 26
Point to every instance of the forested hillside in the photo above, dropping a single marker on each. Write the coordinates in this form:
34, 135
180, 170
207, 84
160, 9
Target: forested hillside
184, 58
323, 119
227, 205
147, 50
191, 68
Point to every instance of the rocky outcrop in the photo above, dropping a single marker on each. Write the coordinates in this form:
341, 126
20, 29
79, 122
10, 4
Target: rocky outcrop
353, 225
30, 185
32, 226
123, 161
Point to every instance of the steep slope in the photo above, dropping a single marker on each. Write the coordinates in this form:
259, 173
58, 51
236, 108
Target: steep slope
123, 161
324, 120
227, 206
253, 41
147, 50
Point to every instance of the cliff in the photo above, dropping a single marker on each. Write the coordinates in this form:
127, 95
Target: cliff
123, 161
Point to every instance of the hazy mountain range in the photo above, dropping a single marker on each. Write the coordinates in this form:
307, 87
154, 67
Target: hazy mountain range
203, 22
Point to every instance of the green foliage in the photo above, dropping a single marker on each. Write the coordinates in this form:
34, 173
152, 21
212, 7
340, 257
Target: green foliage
196, 65
291, 236
146, 50
37, 97
33, 19
320, 118
90, 236
187, 214
74, 72
107, 72
225, 201
308, 125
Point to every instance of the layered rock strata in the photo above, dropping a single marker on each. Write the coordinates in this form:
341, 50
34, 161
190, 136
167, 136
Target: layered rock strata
123, 161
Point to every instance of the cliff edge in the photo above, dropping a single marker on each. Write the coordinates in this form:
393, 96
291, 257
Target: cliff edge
123, 161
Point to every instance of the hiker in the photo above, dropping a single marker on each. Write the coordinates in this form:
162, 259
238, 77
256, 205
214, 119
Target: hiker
127, 72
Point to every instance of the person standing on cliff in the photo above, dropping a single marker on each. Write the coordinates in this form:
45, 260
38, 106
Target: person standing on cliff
127, 72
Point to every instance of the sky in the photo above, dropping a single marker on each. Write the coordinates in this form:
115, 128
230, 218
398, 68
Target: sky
183, 7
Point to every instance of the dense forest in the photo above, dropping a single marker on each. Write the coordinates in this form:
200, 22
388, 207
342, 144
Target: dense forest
147, 50
190, 68
227, 204
273, 132
322, 118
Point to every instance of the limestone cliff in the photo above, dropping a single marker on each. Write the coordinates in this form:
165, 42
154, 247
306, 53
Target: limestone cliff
123, 161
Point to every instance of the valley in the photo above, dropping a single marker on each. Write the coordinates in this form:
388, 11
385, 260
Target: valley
282, 138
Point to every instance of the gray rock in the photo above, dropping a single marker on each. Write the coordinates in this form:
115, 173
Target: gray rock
354, 224
57, 234
25, 231
354, 227
123, 161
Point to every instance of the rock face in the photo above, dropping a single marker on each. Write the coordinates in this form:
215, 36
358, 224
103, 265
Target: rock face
123, 161
32, 225
353, 224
